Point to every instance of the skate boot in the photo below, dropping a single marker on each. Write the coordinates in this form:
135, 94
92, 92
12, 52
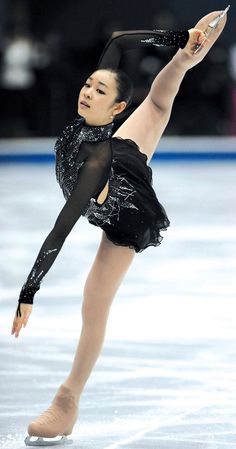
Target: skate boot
57, 420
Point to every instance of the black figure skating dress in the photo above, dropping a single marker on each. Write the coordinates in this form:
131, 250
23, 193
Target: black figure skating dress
131, 215
87, 158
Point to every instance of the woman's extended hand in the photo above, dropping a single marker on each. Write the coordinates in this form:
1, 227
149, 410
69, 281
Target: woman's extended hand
197, 37
18, 321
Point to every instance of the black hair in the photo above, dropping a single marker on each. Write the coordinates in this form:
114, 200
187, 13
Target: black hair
124, 85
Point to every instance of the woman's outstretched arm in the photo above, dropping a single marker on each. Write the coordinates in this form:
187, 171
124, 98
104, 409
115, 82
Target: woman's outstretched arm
91, 178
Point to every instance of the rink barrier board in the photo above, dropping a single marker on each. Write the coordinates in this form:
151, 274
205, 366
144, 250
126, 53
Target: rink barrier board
41, 150
46, 159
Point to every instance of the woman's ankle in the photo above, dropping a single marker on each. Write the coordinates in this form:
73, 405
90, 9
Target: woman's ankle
73, 388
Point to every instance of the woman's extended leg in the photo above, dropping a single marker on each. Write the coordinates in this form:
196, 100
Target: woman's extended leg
108, 270
147, 123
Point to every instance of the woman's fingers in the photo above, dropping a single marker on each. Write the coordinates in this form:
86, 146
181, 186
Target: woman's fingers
16, 327
197, 40
22, 320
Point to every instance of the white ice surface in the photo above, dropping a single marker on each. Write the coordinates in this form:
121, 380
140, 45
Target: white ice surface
166, 375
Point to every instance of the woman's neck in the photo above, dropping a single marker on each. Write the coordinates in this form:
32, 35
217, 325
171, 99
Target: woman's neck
97, 124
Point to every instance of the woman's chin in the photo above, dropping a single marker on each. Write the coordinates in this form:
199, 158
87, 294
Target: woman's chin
81, 112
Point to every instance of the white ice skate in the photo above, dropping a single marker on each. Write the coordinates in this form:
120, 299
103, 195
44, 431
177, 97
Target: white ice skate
54, 425
40, 441
211, 27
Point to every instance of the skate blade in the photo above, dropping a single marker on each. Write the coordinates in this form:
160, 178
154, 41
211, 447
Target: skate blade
42, 441
212, 25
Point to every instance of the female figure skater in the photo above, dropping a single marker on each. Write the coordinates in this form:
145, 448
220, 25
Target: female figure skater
106, 179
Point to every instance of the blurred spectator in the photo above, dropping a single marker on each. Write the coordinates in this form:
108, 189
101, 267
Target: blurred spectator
20, 57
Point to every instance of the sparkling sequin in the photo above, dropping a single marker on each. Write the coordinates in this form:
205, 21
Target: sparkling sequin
34, 277
67, 149
33, 281
119, 195
168, 38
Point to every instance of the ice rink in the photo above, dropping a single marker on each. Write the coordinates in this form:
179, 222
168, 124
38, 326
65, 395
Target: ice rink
166, 378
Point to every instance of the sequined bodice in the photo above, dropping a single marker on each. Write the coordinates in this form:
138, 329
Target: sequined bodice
67, 147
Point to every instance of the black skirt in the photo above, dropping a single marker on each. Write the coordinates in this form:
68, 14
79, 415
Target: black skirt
131, 214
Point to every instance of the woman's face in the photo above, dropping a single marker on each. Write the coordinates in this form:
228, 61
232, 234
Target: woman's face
96, 101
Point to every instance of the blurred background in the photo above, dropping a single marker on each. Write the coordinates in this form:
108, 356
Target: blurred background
47, 49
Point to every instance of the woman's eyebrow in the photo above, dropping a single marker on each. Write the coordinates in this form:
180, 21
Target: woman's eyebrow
100, 82
103, 84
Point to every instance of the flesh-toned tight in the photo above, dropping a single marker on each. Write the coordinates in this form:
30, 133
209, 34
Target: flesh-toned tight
107, 272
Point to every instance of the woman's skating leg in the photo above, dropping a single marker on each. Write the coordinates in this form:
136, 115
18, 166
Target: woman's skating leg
108, 270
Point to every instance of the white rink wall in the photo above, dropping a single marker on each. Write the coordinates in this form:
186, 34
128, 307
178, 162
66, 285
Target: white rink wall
42, 149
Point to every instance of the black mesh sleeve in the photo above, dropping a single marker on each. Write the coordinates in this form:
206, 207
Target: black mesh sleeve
92, 175
122, 41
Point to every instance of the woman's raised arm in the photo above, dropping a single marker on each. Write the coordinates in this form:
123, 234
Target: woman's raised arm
122, 41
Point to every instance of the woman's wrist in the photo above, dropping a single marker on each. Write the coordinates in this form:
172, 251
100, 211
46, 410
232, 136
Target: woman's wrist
27, 293
188, 57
